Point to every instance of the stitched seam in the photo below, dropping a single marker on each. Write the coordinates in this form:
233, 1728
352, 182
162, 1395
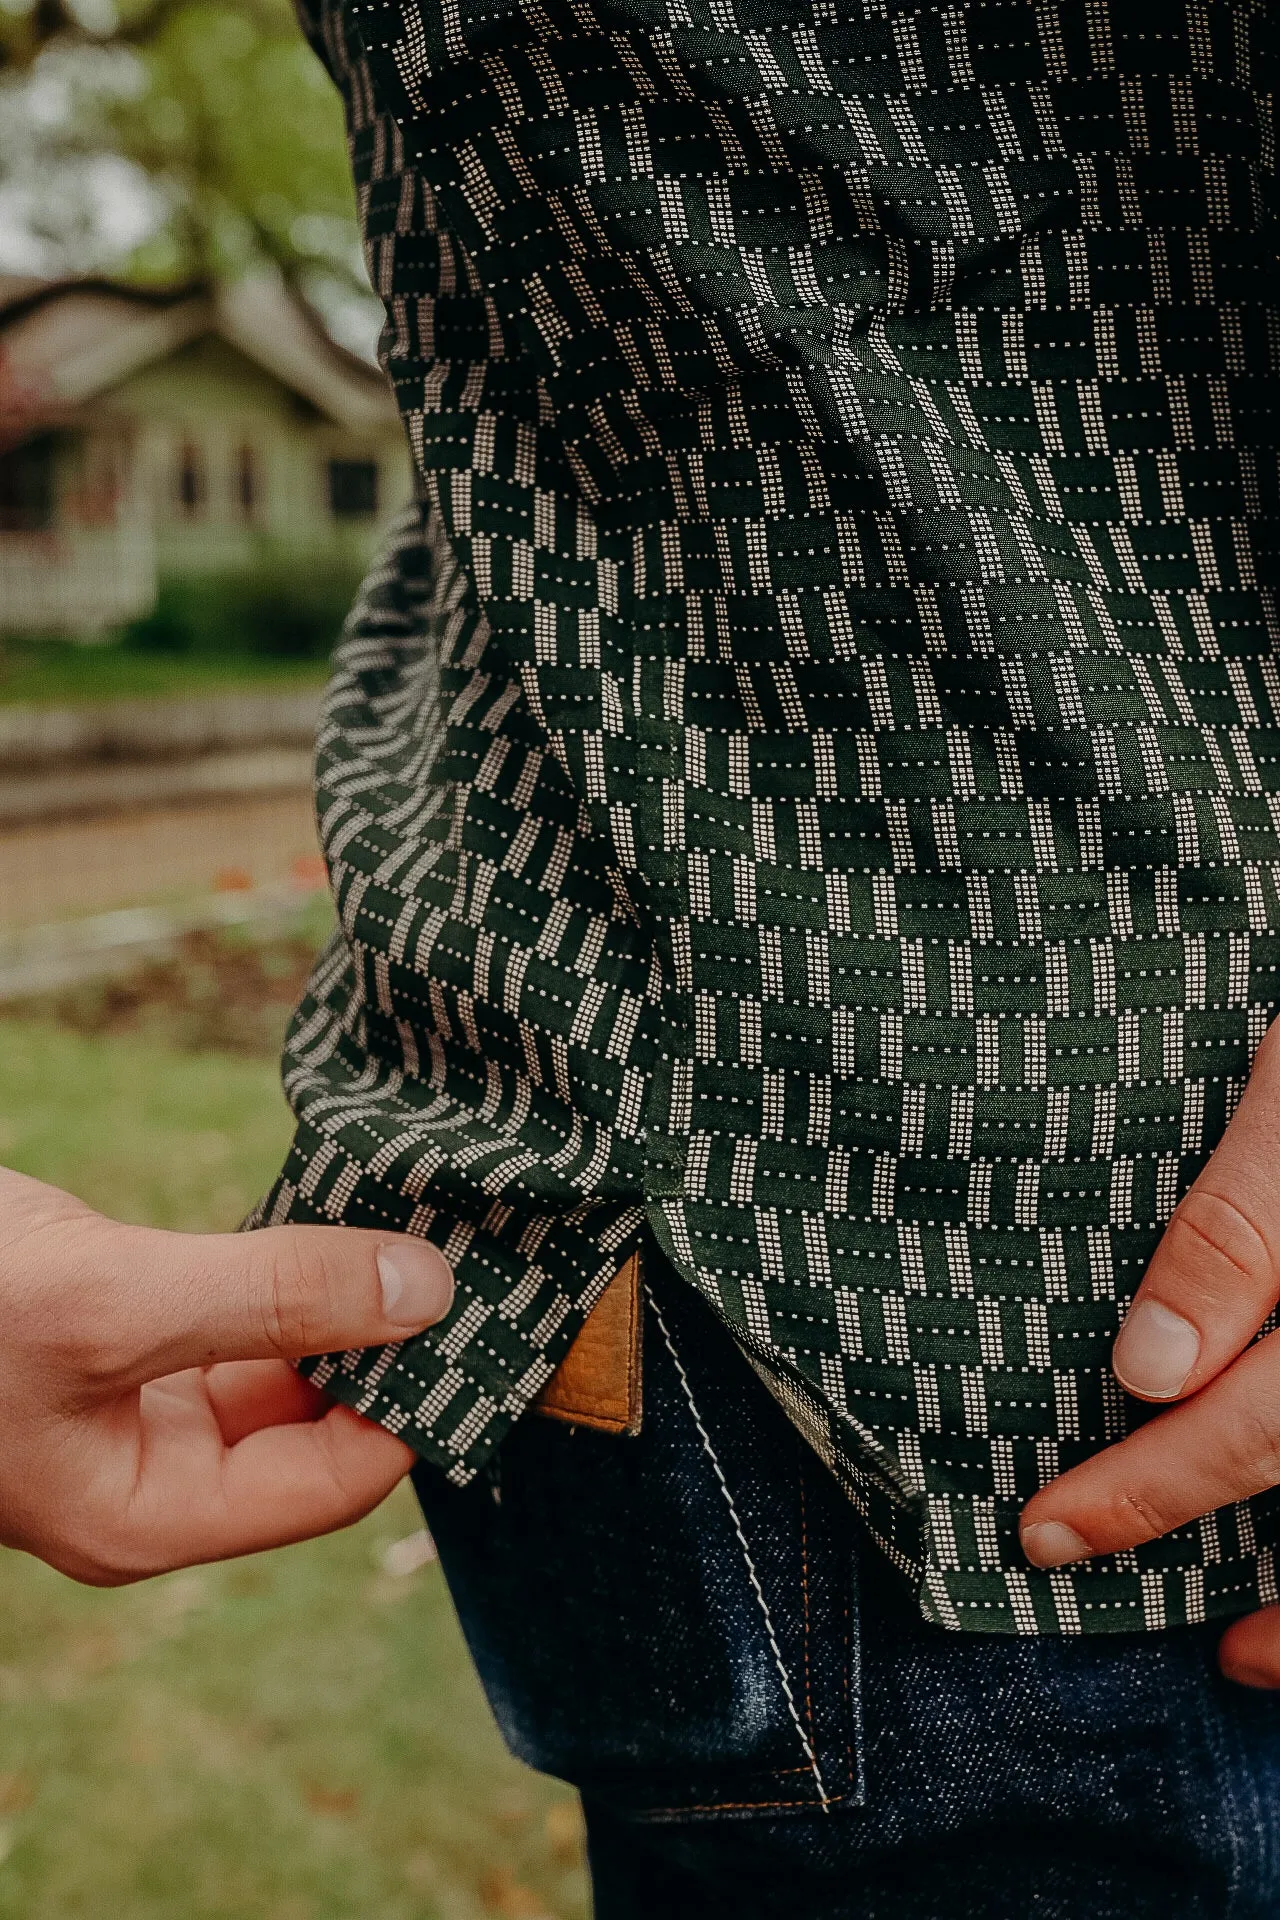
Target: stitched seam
587, 1415
804, 1591
739, 1806
854, 1775
753, 1576
635, 1358
633, 1307
781, 1773
1223, 1746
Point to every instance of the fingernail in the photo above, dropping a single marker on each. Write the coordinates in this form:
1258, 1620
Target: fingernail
1048, 1543
1155, 1351
417, 1286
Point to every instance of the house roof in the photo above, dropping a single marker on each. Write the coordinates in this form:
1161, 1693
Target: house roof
63, 343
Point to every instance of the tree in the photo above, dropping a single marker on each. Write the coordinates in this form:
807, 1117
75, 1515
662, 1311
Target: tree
174, 139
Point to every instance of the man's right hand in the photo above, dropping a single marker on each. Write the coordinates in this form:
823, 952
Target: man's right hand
149, 1417
1188, 1343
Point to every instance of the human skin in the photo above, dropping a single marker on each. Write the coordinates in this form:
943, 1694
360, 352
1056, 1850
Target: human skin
150, 1419
1188, 1340
149, 1416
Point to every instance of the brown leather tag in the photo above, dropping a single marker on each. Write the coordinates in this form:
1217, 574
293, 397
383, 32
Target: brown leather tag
597, 1384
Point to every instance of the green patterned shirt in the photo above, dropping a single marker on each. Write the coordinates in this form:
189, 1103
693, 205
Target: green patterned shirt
804, 783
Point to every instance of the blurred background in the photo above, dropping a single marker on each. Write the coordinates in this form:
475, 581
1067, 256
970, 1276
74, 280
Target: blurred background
196, 457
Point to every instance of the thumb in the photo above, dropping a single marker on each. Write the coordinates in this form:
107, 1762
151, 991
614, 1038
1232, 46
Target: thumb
1215, 1276
187, 1300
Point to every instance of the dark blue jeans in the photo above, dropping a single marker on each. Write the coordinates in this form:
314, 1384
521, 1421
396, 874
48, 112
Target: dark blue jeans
691, 1627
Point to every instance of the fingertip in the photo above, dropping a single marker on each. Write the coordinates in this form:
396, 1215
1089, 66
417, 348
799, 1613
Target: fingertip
1051, 1543
1249, 1651
356, 1437
361, 1428
1255, 1677
1155, 1351
416, 1281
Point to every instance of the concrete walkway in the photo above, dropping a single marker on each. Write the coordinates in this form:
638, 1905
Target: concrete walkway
108, 787
174, 728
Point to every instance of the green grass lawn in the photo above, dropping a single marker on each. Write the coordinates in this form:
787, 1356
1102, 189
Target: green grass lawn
295, 1737
56, 672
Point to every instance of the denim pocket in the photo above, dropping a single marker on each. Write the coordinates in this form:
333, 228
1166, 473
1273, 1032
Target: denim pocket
669, 1621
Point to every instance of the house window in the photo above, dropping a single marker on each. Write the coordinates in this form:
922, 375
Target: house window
248, 482
353, 488
26, 487
191, 479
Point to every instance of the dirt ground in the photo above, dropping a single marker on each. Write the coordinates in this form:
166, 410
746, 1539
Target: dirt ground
227, 991
71, 867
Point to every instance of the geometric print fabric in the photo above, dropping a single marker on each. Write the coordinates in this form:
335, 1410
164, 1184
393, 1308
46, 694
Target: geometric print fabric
803, 782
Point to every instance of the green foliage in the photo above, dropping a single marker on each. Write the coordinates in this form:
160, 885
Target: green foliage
275, 624
240, 128
284, 612
43, 672
219, 111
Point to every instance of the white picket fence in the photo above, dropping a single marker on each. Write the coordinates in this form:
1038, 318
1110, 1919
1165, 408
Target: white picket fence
82, 581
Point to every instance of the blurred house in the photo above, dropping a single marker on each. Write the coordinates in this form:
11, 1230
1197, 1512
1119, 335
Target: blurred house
201, 430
